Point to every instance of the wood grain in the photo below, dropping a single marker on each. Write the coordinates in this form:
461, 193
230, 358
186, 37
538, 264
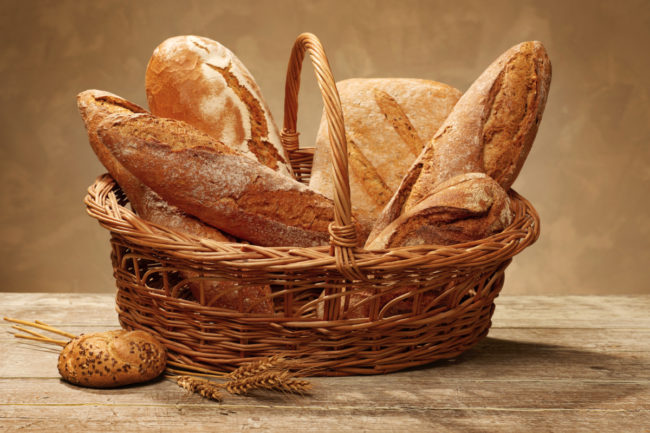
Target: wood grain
549, 364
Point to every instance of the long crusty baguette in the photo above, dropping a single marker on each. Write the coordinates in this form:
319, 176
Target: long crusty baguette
491, 129
217, 184
113, 358
466, 207
387, 123
201, 82
95, 106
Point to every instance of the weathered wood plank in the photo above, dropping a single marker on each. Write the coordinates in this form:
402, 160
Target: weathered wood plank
572, 312
517, 354
254, 418
407, 393
550, 364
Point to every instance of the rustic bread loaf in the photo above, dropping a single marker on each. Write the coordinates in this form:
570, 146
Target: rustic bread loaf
387, 123
95, 106
201, 82
217, 184
466, 207
491, 129
111, 359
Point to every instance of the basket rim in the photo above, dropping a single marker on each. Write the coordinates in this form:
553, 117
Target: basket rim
102, 203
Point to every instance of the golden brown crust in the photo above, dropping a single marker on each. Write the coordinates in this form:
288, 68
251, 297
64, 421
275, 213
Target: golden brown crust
387, 122
216, 184
491, 129
95, 106
111, 359
199, 81
467, 207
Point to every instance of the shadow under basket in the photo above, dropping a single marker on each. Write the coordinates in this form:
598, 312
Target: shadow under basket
339, 310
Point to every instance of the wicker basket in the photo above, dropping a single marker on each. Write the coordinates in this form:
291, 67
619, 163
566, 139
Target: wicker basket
425, 303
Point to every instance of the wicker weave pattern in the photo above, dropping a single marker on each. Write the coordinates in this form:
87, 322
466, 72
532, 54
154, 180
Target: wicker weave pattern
419, 304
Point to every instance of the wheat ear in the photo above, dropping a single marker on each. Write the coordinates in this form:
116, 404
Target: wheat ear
278, 380
203, 387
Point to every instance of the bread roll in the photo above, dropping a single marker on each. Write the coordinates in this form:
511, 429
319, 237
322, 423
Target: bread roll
95, 106
466, 207
490, 130
219, 185
201, 82
113, 358
387, 123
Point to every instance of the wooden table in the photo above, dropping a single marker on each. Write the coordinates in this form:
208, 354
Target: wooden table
571, 363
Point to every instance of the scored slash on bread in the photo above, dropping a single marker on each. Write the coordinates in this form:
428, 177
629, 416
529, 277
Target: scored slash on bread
95, 106
466, 207
217, 184
201, 82
490, 130
387, 123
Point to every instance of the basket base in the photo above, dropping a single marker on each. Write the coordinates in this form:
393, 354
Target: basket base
223, 341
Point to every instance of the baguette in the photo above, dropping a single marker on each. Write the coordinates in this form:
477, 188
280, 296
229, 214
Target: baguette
490, 130
113, 358
217, 184
387, 123
201, 82
95, 106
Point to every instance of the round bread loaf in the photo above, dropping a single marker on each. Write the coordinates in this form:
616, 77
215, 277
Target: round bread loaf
201, 82
113, 358
388, 121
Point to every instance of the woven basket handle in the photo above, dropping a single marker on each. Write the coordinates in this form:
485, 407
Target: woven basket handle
343, 234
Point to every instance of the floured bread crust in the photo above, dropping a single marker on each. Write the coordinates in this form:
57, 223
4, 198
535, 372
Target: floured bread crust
95, 106
466, 207
490, 130
387, 123
201, 82
217, 184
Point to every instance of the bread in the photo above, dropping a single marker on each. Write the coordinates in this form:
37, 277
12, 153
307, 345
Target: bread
490, 130
387, 123
219, 185
466, 207
111, 359
201, 82
95, 106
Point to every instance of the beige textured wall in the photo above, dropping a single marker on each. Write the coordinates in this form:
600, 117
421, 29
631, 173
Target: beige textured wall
588, 173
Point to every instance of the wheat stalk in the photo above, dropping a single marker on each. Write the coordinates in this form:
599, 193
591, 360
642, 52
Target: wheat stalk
204, 387
254, 368
276, 380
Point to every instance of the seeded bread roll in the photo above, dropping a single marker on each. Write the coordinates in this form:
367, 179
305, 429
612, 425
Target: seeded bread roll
111, 359
490, 130
387, 123
201, 82
95, 106
466, 207
217, 184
